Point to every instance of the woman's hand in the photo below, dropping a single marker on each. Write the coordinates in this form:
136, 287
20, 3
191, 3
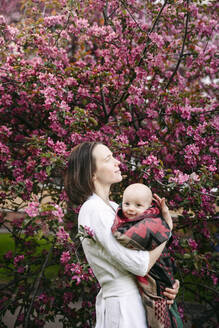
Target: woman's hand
171, 293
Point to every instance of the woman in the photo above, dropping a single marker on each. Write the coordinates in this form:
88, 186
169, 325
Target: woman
91, 171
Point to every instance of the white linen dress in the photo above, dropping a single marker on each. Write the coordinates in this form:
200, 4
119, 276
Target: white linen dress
118, 303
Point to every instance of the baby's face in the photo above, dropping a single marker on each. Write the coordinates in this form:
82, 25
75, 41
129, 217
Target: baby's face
135, 204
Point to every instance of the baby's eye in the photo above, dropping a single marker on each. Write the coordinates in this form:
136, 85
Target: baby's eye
127, 204
138, 205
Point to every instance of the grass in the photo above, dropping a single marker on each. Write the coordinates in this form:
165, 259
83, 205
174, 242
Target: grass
7, 243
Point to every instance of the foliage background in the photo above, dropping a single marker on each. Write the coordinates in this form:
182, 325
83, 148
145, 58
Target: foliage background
140, 76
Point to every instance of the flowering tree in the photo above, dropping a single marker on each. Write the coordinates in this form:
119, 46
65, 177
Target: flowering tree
139, 76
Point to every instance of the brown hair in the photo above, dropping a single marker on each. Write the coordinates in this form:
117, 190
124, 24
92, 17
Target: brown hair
79, 172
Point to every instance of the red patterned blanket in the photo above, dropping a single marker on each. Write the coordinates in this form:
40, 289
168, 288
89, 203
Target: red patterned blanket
145, 233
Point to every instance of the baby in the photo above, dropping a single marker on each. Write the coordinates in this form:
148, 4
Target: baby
139, 225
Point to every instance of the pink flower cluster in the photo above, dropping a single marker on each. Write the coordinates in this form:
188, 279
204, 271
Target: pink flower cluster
58, 213
65, 257
179, 178
89, 231
33, 209
62, 235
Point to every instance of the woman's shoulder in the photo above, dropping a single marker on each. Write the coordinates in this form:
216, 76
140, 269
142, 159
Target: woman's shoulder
93, 206
96, 208
93, 202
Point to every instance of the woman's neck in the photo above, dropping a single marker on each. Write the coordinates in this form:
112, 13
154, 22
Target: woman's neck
103, 192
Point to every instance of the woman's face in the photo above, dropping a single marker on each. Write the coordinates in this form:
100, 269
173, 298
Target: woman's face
107, 167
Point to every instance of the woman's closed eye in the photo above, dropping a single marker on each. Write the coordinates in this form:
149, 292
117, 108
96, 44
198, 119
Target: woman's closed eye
108, 158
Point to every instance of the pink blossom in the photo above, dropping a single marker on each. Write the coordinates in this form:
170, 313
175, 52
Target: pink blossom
49, 94
33, 209
55, 20
89, 231
192, 243
81, 23
62, 235
142, 143
60, 148
18, 174
58, 213
18, 259
158, 173
65, 257
4, 130
191, 152
154, 138
50, 142
4, 150
179, 178
20, 269
44, 298
11, 32
123, 139
64, 106
214, 279
29, 184
194, 177
2, 20
151, 160
157, 39
8, 255
90, 272
77, 278
212, 168
30, 165
41, 176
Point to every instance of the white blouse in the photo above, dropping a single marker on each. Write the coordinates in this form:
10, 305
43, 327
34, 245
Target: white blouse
118, 304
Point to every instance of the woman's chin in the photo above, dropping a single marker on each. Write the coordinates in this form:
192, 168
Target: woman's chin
117, 179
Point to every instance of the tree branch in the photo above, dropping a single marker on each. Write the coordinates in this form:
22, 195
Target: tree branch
133, 119
104, 104
125, 94
124, 5
105, 16
151, 30
203, 286
26, 322
182, 49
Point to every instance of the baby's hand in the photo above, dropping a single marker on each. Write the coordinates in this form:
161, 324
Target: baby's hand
161, 203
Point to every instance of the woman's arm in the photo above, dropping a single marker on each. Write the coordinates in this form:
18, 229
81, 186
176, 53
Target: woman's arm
170, 293
155, 254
